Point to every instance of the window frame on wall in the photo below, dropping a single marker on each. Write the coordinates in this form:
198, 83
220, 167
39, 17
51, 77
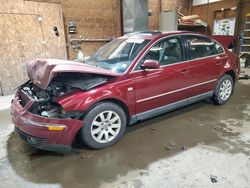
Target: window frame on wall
203, 2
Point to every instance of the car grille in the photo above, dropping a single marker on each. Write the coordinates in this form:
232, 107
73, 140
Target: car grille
35, 141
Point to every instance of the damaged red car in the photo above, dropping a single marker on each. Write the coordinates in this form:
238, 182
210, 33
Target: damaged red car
132, 78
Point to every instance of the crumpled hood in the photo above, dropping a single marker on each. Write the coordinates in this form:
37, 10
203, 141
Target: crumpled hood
42, 71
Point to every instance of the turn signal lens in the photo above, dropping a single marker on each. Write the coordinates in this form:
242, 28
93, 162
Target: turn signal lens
55, 128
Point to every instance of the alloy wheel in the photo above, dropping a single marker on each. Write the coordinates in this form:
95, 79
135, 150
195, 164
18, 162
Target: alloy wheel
105, 126
225, 89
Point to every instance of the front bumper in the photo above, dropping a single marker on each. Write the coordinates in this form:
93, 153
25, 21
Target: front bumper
34, 130
40, 143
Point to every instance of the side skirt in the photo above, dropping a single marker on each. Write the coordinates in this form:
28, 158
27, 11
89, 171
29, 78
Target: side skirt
169, 107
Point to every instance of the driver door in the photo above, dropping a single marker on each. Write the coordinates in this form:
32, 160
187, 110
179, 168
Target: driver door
159, 90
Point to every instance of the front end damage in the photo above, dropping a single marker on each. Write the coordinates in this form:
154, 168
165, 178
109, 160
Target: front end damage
39, 119
43, 123
61, 85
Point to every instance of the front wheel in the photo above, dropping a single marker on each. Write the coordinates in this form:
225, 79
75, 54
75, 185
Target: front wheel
104, 125
223, 90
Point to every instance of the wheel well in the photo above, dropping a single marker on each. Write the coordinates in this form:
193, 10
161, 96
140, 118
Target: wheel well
116, 101
77, 138
119, 103
232, 74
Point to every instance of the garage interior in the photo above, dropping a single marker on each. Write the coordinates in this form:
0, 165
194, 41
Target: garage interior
202, 145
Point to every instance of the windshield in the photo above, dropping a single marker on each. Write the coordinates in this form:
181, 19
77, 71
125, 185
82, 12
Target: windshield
118, 54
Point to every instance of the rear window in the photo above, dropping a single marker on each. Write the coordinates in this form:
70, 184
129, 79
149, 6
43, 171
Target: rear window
218, 48
200, 47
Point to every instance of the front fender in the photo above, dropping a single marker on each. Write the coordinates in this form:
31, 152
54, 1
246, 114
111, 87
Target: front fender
83, 100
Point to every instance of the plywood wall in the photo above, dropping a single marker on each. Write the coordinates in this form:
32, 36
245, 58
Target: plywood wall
101, 19
153, 20
184, 5
24, 37
206, 11
95, 19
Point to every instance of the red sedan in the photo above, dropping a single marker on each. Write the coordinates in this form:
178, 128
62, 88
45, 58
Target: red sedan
132, 78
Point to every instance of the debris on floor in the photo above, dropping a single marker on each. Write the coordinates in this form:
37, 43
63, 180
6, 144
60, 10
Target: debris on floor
214, 179
183, 148
87, 156
170, 146
152, 130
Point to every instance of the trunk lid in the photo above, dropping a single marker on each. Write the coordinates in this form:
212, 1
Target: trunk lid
227, 41
42, 71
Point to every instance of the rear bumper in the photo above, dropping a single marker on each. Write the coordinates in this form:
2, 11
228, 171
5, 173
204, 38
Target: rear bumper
34, 130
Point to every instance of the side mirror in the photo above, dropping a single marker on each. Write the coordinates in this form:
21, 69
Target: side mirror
150, 64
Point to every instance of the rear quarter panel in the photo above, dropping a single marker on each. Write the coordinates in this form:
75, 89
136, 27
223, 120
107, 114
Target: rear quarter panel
233, 63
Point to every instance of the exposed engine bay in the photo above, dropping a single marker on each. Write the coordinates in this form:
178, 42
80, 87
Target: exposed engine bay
61, 84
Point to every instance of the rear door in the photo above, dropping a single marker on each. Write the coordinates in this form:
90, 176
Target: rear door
206, 60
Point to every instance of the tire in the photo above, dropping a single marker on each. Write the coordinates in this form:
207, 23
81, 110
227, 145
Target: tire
104, 125
223, 90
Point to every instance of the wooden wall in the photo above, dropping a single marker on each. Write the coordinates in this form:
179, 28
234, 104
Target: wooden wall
183, 4
156, 6
153, 20
95, 19
101, 19
23, 38
206, 11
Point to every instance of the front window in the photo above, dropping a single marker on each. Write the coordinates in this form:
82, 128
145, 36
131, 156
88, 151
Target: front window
118, 54
167, 51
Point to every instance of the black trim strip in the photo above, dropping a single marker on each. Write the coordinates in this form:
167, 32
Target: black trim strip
169, 107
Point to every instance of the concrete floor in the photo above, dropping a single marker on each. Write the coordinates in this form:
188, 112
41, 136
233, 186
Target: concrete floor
202, 145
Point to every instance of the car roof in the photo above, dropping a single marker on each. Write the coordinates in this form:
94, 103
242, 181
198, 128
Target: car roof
153, 34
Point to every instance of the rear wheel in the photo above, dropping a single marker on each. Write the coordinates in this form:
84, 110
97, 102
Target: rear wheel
104, 125
224, 89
